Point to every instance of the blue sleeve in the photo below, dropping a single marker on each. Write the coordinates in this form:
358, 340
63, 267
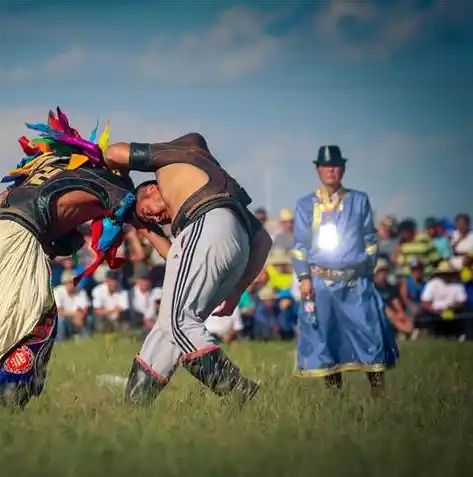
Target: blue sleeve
302, 240
370, 234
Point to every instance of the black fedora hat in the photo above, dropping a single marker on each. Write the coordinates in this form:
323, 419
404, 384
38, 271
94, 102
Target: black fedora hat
330, 156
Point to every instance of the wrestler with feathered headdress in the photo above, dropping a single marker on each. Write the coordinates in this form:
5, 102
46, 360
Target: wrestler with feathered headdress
62, 182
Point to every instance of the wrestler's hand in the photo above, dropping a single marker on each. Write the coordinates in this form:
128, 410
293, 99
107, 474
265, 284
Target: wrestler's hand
307, 292
227, 306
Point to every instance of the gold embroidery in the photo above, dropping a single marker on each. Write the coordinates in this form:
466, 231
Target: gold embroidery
340, 368
298, 254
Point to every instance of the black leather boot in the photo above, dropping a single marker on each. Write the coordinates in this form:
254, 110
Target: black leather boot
221, 375
142, 388
15, 396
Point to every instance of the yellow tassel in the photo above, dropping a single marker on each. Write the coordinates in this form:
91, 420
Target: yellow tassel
76, 161
105, 137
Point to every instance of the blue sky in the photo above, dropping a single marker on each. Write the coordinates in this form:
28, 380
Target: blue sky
266, 82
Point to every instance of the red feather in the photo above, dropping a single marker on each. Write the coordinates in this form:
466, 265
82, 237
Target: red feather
29, 148
53, 122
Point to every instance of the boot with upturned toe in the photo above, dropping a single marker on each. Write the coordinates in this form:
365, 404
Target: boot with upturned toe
221, 375
142, 387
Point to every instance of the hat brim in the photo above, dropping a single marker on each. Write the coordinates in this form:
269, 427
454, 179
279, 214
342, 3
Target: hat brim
337, 163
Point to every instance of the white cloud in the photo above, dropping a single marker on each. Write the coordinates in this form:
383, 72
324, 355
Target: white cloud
61, 65
395, 26
235, 47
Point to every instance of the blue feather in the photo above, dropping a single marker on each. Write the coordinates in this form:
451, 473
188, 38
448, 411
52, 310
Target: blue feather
44, 129
93, 134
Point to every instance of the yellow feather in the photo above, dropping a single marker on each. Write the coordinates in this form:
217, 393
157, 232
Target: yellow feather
105, 137
76, 161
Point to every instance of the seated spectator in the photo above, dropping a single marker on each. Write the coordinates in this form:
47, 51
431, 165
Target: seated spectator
443, 298
287, 317
246, 305
435, 231
225, 329
466, 273
279, 270
73, 308
108, 302
284, 239
462, 240
141, 312
386, 241
391, 298
443, 294
265, 322
411, 288
415, 246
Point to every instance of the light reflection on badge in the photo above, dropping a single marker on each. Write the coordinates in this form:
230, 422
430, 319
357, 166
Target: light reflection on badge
328, 238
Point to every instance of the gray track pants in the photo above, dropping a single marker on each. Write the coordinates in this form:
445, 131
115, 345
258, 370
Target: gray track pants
204, 264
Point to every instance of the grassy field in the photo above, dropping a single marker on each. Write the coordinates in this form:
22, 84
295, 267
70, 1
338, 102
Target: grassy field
424, 427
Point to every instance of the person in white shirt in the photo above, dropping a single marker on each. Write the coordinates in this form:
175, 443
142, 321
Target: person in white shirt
225, 328
462, 240
145, 302
73, 308
443, 294
108, 301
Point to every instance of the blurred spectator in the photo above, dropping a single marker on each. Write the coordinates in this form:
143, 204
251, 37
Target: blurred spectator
462, 240
411, 288
287, 318
391, 298
265, 323
436, 231
412, 246
279, 270
386, 240
443, 294
141, 312
225, 328
466, 273
108, 302
73, 308
284, 239
261, 214
467, 279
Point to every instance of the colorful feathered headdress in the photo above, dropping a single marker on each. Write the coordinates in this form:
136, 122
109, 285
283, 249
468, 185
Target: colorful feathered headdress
57, 136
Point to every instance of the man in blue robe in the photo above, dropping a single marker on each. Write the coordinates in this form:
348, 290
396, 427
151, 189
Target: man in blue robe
334, 256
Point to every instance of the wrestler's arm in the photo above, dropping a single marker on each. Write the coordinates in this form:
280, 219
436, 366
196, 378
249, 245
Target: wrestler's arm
160, 243
147, 157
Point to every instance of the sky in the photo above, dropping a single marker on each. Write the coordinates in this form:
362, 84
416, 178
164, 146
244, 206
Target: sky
267, 83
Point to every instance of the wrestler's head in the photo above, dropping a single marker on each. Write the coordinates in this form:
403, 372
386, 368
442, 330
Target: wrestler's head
150, 205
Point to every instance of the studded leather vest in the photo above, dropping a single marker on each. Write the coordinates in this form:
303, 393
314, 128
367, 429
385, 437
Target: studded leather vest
30, 203
222, 190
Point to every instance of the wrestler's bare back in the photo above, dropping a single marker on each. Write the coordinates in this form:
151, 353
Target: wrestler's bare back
73, 209
177, 182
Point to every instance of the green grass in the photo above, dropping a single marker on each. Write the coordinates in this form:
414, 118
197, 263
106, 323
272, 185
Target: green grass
293, 428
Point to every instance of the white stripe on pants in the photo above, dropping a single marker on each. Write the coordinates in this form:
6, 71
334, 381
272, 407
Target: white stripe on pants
204, 264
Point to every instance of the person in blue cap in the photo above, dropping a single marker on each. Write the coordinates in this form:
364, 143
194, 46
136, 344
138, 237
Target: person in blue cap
334, 256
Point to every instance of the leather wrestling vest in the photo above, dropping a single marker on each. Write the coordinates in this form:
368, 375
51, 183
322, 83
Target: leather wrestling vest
222, 190
30, 203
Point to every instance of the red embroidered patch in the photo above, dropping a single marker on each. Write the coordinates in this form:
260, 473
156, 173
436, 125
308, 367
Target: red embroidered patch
20, 361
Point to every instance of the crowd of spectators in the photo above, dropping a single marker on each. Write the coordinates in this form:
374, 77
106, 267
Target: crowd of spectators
425, 278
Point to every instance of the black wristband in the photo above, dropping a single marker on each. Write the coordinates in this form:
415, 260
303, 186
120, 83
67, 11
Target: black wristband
140, 157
